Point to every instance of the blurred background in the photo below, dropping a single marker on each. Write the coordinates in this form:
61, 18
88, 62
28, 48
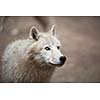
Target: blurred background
80, 38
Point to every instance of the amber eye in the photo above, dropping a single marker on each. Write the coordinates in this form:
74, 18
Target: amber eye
47, 48
58, 47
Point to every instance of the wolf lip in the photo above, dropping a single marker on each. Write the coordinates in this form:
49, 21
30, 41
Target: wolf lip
55, 64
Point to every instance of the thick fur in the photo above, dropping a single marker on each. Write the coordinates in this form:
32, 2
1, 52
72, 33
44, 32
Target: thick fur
23, 62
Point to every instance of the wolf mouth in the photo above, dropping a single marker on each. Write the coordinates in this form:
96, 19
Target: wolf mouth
60, 64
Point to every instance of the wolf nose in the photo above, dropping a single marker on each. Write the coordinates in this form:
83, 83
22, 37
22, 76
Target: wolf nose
62, 59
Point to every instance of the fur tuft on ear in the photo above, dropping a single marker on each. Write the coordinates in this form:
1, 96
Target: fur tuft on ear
53, 30
34, 33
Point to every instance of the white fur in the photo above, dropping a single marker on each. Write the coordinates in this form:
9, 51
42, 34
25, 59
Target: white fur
28, 61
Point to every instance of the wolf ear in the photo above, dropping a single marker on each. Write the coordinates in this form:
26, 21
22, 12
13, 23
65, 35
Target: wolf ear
53, 30
34, 33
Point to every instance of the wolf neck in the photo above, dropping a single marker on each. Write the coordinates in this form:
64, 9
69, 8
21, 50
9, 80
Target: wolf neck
37, 74
44, 73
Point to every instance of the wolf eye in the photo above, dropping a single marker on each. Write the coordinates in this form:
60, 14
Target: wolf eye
58, 47
47, 48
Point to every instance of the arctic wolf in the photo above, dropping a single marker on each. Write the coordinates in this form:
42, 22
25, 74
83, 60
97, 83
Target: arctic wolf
33, 59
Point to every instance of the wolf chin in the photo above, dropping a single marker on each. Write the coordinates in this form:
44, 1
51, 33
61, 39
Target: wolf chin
33, 59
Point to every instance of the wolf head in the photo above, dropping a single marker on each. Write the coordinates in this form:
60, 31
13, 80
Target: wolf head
46, 48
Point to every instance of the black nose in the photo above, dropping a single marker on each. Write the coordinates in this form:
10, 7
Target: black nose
62, 59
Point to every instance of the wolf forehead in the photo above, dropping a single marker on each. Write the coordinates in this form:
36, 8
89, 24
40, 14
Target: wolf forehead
48, 39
